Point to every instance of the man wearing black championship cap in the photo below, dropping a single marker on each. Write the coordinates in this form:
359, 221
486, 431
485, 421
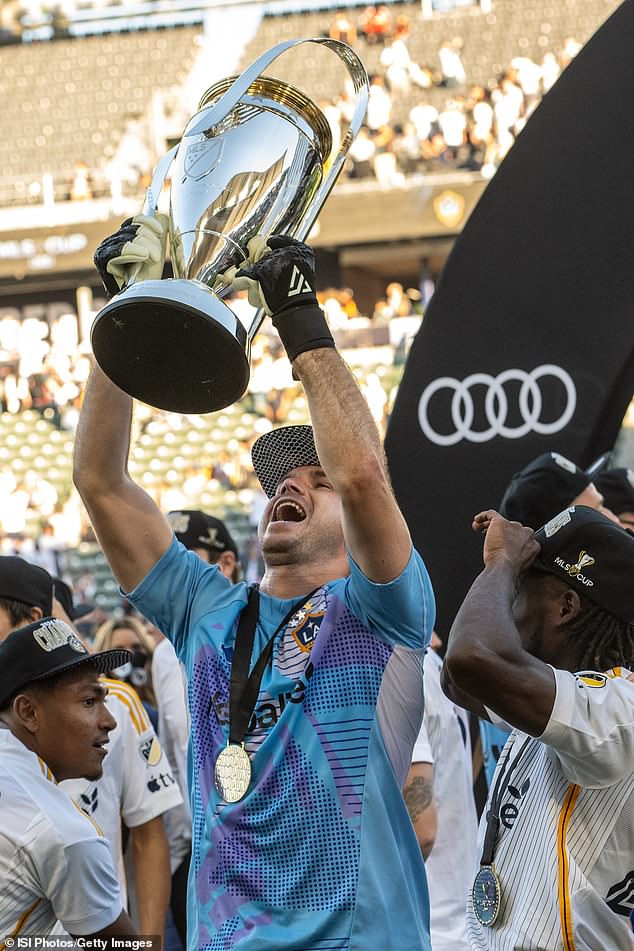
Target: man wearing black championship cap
545, 486
55, 864
305, 696
549, 484
544, 640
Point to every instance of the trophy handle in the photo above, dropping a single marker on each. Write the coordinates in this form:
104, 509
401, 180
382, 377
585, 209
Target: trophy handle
219, 110
152, 195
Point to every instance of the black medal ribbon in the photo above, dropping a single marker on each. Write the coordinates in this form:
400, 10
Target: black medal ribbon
493, 815
486, 890
244, 687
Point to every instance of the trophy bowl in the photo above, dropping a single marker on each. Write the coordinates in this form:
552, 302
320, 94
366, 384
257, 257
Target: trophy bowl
257, 158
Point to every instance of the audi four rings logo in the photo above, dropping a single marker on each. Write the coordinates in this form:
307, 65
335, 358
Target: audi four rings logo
496, 405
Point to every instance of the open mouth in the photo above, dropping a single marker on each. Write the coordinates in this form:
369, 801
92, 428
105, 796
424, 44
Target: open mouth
288, 511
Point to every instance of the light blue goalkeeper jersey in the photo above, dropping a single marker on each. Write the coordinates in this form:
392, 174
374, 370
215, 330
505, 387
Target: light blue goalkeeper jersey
320, 854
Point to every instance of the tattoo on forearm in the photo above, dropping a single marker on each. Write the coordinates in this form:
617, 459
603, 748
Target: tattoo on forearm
418, 795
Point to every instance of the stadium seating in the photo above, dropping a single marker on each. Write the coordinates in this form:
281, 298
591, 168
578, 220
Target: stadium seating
71, 100
491, 40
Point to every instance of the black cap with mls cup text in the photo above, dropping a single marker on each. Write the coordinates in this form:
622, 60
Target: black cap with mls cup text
45, 648
617, 488
196, 529
544, 487
29, 584
279, 451
594, 555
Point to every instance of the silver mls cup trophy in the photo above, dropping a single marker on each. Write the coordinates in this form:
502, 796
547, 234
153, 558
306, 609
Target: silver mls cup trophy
256, 158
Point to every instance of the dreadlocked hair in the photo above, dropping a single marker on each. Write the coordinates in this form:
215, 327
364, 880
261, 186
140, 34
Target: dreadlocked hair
600, 640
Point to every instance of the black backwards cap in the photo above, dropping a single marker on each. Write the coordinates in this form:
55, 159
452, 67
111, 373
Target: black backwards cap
45, 648
279, 451
29, 584
544, 487
617, 488
196, 529
594, 555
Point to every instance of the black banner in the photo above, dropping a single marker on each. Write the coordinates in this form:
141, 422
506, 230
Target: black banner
528, 343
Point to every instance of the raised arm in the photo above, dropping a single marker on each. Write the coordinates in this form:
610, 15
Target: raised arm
350, 450
346, 437
129, 526
487, 658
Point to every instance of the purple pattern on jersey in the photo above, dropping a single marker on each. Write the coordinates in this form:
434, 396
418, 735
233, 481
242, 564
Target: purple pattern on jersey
209, 687
313, 767
346, 745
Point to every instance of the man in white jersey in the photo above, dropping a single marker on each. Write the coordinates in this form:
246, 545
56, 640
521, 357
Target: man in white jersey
136, 791
545, 486
136, 785
543, 641
443, 745
55, 865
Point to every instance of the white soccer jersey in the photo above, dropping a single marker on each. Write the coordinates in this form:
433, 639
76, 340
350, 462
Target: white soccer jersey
137, 782
168, 680
565, 850
54, 861
445, 735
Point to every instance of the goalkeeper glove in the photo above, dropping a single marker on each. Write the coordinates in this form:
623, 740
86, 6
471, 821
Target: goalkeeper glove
136, 251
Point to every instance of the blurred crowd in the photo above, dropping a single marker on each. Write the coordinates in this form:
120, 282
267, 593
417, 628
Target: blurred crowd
472, 127
422, 117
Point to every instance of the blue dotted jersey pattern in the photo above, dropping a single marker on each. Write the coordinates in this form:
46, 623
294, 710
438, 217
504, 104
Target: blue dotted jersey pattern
279, 870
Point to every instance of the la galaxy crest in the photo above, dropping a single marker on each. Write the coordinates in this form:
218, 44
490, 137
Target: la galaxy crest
306, 622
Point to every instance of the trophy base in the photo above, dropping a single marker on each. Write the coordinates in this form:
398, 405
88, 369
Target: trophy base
173, 344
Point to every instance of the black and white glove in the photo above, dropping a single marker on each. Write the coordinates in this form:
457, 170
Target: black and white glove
135, 252
280, 277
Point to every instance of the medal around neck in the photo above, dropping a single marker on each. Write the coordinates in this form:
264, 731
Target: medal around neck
486, 895
232, 774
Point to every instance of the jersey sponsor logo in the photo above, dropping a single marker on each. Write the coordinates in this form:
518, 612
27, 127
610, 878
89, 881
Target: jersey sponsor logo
89, 801
151, 751
54, 634
267, 712
511, 810
585, 561
620, 897
160, 781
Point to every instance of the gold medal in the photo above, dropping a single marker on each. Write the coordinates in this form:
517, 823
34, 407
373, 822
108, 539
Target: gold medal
232, 774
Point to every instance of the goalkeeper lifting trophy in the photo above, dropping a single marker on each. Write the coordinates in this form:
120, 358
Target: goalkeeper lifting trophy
257, 158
